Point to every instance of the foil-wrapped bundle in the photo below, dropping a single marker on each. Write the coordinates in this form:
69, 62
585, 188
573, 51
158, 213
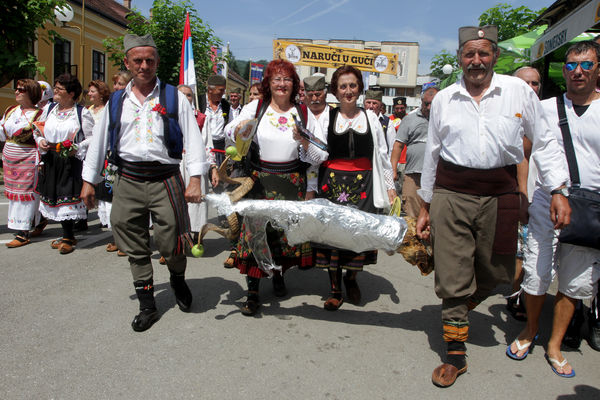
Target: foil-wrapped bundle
317, 221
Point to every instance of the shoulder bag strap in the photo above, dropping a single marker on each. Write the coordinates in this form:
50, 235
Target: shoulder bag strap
563, 122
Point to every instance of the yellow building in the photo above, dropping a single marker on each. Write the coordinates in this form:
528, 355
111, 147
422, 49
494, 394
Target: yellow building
101, 19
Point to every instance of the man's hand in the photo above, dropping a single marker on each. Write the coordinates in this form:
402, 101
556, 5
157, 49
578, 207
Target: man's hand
560, 211
193, 192
423, 227
88, 195
214, 177
310, 195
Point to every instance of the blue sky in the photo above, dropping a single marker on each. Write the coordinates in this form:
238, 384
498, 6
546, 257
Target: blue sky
251, 25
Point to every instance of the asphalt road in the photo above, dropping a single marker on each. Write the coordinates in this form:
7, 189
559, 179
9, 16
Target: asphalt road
65, 334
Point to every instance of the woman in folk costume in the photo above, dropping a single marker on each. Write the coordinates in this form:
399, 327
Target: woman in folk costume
63, 144
278, 168
357, 173
20, 160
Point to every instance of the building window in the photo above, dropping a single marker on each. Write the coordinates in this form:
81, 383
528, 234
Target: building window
62, 57
97, 65
391, 92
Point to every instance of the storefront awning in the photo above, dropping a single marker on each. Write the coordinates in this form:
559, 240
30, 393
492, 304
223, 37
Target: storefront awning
581, 19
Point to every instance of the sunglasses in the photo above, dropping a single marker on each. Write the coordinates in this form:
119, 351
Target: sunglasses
21, 90
585, 65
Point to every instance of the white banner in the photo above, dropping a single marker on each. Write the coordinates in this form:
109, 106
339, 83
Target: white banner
570, 27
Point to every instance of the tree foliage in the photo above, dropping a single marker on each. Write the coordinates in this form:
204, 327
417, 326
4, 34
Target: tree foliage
19, 23
511, 21
166, 26
439, 60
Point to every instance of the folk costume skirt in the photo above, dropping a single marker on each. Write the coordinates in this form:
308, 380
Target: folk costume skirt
59, 186
272, 185
348, 183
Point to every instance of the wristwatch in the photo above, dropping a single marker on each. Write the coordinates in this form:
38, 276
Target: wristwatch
564, 191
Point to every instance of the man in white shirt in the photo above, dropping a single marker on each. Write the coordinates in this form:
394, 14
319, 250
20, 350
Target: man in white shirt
374, 102
315, 96
147, 144
578, 267
469, 185
218, 113
235, 95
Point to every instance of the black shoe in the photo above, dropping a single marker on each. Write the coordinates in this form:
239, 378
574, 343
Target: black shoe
279, 288
144, 320
183, 296
594, 332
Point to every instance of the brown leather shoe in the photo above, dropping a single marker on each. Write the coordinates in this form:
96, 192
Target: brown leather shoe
111, 247
55, 244
121, 253
162, 260
39, 228
333, 303
18, 241
66, 246
445, 375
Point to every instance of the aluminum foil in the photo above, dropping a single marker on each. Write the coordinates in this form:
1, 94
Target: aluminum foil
317, 221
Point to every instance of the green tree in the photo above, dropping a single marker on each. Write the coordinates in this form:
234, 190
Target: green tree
511, 21
166, 27
19, 23
439, 60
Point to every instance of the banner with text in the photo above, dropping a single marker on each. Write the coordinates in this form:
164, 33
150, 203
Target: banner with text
333, 57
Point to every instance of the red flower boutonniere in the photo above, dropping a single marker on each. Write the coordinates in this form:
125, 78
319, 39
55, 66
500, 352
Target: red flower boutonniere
363, 195
160, 109
325, 188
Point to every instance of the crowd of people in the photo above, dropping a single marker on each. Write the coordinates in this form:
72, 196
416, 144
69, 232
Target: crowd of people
480, 166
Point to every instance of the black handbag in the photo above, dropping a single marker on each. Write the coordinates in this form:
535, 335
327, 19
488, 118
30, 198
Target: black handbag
584, 229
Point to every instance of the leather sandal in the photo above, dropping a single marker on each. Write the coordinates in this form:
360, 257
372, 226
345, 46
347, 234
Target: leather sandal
445, 375
251, 305
18, 241
121, 253
39, 228
162, 260
55, 244
66, 246
334, 302
230, 262
111, 247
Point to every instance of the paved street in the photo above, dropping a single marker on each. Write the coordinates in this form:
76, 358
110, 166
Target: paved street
65, 329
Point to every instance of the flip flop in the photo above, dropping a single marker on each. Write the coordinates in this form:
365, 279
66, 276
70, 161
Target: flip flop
520, 347
560, 365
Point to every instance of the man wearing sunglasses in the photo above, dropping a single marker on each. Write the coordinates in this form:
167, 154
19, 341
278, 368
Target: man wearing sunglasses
579, 267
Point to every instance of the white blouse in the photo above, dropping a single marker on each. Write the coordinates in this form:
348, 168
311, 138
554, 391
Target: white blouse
16, 120
274, 134
64, 125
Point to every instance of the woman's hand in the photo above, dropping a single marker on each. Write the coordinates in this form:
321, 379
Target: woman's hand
392, 195
299, 138
44, 145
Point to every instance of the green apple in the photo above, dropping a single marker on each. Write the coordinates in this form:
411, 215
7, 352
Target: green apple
198, 250
231, 151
